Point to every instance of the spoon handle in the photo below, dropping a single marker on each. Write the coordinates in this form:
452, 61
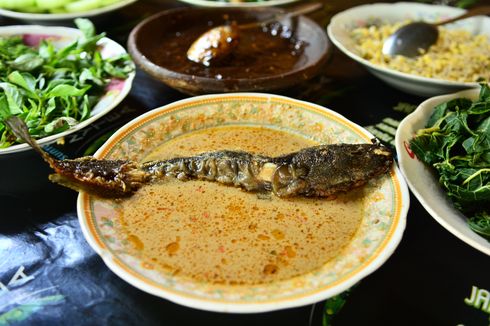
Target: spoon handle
484, 10
300, 10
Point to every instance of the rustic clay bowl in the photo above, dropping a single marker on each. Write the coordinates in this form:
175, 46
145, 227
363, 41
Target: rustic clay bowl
154, 29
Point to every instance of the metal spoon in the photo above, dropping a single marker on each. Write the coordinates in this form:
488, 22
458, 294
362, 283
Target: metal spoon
413, 39
218, 42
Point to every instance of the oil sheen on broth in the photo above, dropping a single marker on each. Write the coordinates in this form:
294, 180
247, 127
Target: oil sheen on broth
214, 233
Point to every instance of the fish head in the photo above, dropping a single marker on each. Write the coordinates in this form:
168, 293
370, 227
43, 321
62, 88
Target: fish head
328, 169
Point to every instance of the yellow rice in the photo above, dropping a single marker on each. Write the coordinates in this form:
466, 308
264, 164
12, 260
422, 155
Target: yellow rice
458, 55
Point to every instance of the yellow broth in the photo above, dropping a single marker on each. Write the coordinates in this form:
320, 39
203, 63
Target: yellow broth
215, 233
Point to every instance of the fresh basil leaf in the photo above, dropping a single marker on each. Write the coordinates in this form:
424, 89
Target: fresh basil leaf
66, 50
60, 124
90, 44
50, 107
27, 62
89, 75
86, 27
4, 107
46, 50
113, 71
24, 80
14, 97
85, 108
67, 90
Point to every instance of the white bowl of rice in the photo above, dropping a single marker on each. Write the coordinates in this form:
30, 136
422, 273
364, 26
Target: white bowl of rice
457, 61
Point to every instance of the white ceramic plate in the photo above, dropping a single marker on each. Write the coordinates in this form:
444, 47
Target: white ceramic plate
39, 17
422, 181
343, 23
62, 36
378, 235
264, 3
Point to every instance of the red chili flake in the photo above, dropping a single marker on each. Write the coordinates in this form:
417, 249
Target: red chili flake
205, 214
221, 249
409, 151
199, 189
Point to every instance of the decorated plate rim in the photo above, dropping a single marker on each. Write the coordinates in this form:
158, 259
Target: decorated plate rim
374, 261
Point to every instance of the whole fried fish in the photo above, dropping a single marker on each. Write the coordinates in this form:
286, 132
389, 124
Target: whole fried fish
315, 171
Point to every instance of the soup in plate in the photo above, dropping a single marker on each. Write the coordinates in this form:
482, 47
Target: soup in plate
209, 232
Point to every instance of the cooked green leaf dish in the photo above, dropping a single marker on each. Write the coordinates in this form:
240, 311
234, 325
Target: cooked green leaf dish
55, 6
54, 89
456, 142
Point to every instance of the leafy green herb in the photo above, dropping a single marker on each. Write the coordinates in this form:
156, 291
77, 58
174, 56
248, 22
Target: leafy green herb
54, 89
55, 6
456, 142
404, 107
333, 306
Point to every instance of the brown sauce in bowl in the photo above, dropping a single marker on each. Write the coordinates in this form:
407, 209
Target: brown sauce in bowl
214, 233
260, 52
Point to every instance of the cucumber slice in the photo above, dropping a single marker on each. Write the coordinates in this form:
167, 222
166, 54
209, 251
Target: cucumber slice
61, 10
51, 4
109, 2
82, 5
17, 4
32, 9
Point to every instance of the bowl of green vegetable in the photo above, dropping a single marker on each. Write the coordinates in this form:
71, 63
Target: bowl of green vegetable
444, 153
58, 80
58, 10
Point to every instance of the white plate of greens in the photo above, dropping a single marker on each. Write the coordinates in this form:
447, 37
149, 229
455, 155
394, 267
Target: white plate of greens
58, 80
451, 133
58, 10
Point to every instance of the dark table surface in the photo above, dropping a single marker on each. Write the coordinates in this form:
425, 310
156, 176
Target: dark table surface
49, 275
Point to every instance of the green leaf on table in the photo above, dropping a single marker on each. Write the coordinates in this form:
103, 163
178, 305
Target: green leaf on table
333, 306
